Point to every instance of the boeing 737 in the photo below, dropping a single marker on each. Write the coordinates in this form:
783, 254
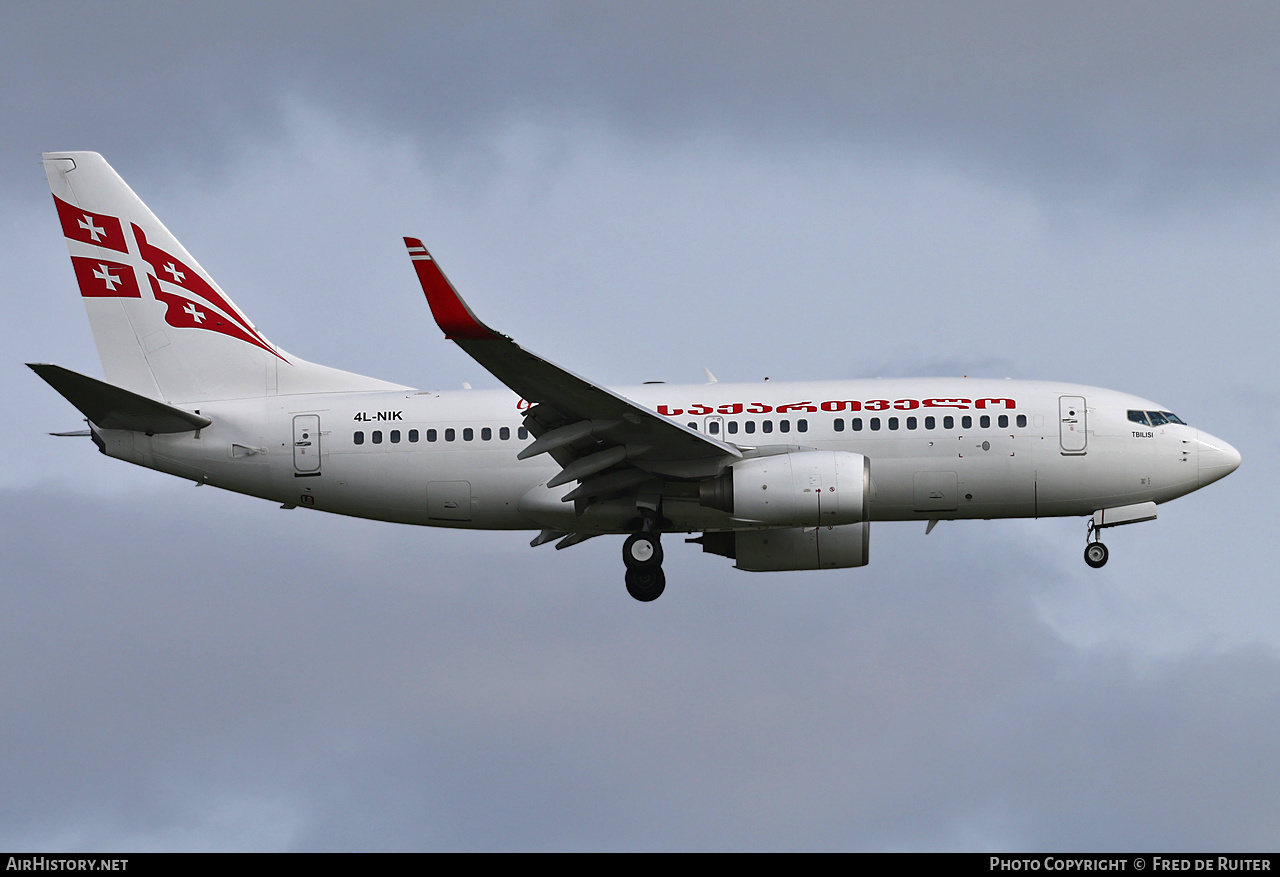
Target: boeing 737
776, 476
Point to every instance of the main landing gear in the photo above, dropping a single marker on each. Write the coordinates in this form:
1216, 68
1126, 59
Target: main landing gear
642, 554
1095, 553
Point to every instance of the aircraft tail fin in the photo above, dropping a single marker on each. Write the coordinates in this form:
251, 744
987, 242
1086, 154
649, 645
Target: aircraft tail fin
163, 327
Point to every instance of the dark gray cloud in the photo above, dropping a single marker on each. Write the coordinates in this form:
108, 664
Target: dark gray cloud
1120, 97
206, 671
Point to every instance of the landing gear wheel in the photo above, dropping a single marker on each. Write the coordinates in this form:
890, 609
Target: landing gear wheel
1096, 554
642, 551
646, 584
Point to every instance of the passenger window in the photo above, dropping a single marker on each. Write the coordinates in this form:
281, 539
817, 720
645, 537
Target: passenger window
948, 422
766, 426
838, 424
377, 436
504, 433
431, 435
1003, 422
522, 433
733, 427
856, 423
486, 434
468, 434
966, 422
413, 435
784, 426
911, 423
802, 425
713, 427
985, 421
395, 436
875, 423
750, 426
893, 423
359, 437
1022, 421
930, 422
450, 435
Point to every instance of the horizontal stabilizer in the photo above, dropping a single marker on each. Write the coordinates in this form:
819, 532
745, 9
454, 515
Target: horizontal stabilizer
110, 407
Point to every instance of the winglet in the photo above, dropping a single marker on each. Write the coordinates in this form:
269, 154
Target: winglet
452, 314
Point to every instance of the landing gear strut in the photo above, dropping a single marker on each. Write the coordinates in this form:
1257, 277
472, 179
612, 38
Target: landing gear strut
642, 554
1095, 553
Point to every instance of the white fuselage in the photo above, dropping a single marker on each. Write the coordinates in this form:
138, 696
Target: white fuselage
944, 448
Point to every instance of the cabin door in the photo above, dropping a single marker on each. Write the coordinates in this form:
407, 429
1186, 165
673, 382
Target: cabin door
1073, 428
306, 444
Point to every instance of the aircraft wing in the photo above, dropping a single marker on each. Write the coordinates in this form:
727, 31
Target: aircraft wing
602, 439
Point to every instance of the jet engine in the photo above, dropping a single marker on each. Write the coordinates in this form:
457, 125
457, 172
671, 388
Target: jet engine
800, 489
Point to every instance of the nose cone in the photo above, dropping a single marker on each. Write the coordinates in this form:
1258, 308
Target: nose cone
1217, 458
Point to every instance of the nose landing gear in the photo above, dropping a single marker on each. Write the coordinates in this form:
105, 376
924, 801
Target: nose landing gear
642, 554
1095, 553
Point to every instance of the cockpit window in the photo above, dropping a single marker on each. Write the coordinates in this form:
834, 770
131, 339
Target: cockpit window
1154, 418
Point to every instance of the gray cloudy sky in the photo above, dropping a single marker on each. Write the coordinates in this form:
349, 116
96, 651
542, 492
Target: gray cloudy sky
1081, 191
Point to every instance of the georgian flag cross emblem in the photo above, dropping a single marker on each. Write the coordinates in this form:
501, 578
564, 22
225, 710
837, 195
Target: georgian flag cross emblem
92, 228
100, 278
94, 232
104, 274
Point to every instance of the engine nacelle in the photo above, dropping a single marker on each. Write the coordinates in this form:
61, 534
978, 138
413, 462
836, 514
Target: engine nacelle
800, 489
793, 548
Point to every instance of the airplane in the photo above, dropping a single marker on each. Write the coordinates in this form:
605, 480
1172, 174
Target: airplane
773, 475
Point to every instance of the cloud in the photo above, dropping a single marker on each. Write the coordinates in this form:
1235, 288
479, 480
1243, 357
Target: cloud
204, 671
1135, 98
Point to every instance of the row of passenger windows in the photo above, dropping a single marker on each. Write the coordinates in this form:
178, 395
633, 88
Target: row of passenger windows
749, 427
931, 422
856, 424
450, 435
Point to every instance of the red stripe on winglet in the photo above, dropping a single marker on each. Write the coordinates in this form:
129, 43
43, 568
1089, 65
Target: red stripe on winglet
452, 314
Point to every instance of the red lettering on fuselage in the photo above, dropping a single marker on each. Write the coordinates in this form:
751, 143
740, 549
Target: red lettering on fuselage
831, 405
